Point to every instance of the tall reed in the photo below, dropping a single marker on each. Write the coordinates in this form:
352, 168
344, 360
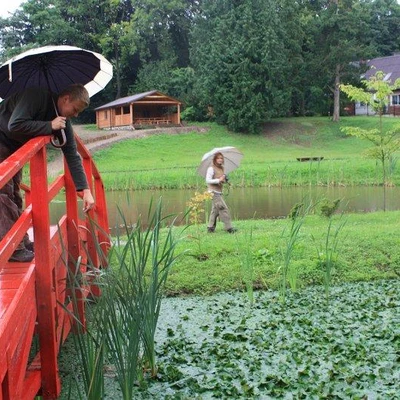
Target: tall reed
288, 274
89, 344
90, 353
124, 318
328, 251
245, 254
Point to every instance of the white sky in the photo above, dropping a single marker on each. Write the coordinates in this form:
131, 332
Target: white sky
9, 6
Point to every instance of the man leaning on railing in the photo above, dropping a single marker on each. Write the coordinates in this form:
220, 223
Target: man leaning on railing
28, 114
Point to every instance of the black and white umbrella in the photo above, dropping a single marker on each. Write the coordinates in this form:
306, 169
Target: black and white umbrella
55, 68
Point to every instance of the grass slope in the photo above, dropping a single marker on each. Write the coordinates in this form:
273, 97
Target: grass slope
170, 161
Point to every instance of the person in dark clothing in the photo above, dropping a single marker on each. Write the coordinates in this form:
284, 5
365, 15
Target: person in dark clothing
28, 114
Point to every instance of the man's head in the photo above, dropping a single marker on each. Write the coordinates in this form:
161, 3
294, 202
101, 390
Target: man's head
72, 101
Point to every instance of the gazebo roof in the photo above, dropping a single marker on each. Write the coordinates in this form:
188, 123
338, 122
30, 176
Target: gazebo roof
122, 101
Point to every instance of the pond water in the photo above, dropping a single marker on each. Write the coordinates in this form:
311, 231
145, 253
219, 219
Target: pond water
244, 203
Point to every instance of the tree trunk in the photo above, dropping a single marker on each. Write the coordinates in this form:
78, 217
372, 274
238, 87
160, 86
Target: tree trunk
117, 72
336, 95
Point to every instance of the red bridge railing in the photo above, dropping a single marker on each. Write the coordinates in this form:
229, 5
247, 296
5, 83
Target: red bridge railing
36, 311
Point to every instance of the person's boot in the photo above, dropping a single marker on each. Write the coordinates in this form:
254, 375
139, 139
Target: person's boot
211, 229
22, 255
27, 243
29, 246
231, 230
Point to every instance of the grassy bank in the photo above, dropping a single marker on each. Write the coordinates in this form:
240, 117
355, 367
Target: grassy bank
367, 249
270, 159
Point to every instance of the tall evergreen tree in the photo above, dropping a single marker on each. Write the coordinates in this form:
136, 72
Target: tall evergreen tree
339, 37
240, 58
384, 27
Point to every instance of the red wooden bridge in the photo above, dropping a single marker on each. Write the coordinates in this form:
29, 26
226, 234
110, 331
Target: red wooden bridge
35, 298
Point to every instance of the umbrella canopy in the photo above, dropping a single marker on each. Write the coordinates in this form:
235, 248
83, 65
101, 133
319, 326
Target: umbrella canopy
55, 67
232, 158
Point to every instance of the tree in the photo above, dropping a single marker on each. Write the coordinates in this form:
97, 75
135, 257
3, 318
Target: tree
240, 57
34, 24
130, 33
386, 142
339, 38
384, 26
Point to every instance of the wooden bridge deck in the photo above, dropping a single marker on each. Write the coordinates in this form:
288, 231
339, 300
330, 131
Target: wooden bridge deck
17, 325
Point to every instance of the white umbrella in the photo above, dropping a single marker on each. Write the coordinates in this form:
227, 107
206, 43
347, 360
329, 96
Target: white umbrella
232, 158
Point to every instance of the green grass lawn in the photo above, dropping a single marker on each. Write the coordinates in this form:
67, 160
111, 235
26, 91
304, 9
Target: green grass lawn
170, 161
368, 249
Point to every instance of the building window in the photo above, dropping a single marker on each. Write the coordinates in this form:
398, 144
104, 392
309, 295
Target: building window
395, 100
127, 110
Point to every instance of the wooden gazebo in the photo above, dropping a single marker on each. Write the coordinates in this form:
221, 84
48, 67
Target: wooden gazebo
149, 108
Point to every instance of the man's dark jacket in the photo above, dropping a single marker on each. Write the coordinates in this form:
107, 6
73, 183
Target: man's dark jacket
28, 114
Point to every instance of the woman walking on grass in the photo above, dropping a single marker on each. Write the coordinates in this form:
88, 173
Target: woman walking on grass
215, 180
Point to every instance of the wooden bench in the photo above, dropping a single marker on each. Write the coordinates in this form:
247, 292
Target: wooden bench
303, 159
153, 121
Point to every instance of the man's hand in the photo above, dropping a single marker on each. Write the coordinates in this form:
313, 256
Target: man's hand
88, 200
58, 123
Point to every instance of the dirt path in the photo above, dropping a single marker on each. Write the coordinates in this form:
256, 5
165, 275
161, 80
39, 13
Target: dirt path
99, 139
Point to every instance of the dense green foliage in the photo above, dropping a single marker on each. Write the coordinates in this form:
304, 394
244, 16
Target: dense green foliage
220, 348
241, 51
307, 346
337, 42
311, 343
238, 62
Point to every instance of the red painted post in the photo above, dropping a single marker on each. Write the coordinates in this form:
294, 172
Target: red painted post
73, 234
98, 240
91, 226
102, 217
45, 284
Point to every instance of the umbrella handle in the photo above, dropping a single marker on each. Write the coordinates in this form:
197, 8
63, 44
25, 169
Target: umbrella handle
59, 144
